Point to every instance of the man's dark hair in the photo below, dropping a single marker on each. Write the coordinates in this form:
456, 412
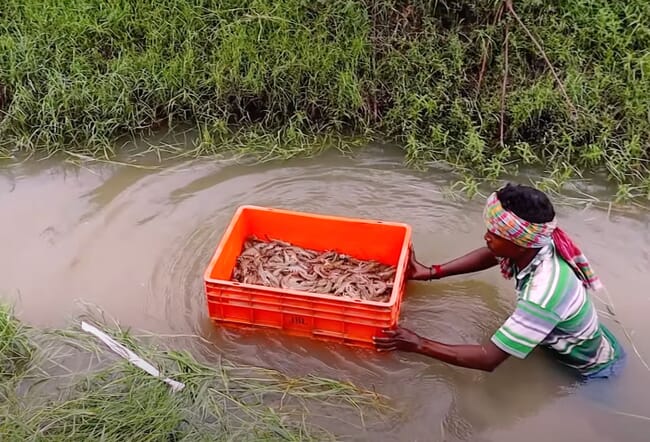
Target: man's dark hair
527, 203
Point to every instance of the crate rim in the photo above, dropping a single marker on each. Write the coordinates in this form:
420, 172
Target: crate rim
394, 297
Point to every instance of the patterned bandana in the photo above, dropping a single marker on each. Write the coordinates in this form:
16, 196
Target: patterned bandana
509, 226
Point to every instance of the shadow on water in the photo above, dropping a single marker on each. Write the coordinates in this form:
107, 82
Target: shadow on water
136, 242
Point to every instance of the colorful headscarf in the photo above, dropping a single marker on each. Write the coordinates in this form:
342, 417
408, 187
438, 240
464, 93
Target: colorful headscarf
534, 236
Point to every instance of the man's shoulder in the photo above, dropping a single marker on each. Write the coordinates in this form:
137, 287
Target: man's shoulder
551, 281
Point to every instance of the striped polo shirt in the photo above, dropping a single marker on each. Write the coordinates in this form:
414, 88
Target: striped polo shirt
554, 310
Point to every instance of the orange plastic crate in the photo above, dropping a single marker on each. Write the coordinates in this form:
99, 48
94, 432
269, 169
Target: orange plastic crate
325, 317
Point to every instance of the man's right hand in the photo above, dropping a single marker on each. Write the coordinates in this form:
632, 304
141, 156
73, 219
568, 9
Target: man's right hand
419, 272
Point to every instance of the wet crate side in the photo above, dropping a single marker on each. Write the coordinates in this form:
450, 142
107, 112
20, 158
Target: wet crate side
346, 320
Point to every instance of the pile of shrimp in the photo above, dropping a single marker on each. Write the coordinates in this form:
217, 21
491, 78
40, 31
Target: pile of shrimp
279, 264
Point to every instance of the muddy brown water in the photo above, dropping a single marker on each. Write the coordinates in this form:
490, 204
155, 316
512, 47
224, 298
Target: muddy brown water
135, 241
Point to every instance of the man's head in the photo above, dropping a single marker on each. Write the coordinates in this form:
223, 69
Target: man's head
527, 203
518, 218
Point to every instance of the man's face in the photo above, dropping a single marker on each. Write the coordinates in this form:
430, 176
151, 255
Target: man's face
502, 247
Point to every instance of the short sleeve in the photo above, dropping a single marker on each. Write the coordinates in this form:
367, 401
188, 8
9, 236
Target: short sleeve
526, 328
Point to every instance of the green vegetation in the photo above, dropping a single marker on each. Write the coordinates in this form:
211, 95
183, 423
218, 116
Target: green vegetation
65, 385
282, 77
16, 352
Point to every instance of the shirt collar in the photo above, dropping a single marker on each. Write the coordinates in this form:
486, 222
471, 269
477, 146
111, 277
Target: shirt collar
536, 261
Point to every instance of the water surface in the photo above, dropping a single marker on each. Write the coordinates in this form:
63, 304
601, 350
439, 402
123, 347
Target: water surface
135, 241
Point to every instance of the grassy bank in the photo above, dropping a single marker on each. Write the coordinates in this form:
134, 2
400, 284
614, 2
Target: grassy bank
564, 84
66, 385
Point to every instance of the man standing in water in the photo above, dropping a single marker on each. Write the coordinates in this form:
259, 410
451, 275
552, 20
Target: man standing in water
551, 276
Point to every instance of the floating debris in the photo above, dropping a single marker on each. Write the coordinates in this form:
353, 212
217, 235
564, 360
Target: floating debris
129, 355
280, 264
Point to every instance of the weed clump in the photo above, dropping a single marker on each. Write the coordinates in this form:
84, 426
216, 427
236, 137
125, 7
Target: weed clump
16, 350
77, 389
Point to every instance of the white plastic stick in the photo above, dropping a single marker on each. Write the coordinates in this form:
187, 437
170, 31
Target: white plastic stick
129, 355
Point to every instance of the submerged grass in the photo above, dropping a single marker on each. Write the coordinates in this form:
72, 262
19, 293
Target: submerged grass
77, 389
277, 77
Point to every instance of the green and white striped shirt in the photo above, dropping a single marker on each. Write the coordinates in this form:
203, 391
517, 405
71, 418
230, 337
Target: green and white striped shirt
554, 310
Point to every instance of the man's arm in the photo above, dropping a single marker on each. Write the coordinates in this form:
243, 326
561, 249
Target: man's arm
525, 329
484, 357
474, 261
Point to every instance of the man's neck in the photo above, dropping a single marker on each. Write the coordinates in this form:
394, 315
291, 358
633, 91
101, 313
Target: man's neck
526, 258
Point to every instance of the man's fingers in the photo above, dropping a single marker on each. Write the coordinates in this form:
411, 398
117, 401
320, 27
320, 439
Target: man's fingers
385, 344
383, 340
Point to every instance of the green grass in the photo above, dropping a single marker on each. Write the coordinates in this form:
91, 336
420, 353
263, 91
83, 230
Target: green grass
279, 78
76, 389
16, 351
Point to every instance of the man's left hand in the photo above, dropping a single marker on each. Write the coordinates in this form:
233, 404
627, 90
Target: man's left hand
398, 339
